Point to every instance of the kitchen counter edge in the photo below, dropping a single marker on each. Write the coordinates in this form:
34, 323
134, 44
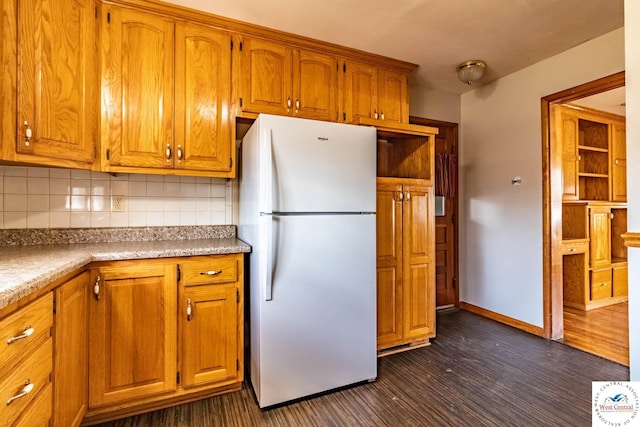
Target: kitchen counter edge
27, 269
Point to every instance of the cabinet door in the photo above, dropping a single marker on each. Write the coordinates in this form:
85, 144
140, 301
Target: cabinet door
71, 355
389, 264
360, 91
315, 80
266, 81
418, 247
203, 95
568, 132
209, 335
393, 103
132, 325
138, 60
618, 163
56, 84
600, 236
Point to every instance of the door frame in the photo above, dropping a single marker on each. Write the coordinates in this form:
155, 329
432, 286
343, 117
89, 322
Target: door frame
552, 301
454, 129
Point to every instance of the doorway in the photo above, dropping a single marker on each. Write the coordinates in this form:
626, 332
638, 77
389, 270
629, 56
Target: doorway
446, 226
554, 310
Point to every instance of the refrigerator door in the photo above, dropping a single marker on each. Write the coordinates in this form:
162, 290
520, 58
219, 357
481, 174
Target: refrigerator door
318, 331
313, 166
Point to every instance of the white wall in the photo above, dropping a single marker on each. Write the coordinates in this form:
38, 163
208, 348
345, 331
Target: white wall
434, 104
36, 197
501, 224
632, 75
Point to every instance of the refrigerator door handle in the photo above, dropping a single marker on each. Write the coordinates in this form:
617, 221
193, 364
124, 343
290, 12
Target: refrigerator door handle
268, 282
266, 180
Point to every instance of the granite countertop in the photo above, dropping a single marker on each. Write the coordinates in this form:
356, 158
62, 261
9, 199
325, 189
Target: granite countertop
25, 269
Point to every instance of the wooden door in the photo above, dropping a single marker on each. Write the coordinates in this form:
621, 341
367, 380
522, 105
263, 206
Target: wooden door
315, 85
567, 129
266, 81
209, 334
599, 236
618, 163
393, 102
71, 353
138, 77
389, 263
417, 252
132, 325
360, 91
203, 97
57, 79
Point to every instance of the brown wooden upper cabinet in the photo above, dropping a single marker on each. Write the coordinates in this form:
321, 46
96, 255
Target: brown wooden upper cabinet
374, 93
277, 79
593, 154
166, 94
53, 84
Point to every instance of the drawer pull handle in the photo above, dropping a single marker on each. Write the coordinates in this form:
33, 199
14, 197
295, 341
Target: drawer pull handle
603, 284
572, 249
28, 331
96, 289
189, 309
28, 387
211, 272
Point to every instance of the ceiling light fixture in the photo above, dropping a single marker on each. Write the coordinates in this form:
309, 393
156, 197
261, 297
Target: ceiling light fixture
470, 72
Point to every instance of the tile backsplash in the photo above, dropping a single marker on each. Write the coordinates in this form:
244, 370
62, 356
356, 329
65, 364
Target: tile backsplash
35, 197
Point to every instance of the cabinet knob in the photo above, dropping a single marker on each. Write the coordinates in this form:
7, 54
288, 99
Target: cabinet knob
572, 249
616, 162
408, 197
288, 104
28, 387
375, 114
28, 133
28, 331
297, 105
167, 153
381, 115
188, 309
179, 153
400, 197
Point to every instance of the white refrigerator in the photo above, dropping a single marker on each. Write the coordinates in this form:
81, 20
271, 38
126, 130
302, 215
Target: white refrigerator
307, 208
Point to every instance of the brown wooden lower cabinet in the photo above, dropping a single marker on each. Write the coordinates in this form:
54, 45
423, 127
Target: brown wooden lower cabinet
70, 378
26, 359
163, 331
405, 270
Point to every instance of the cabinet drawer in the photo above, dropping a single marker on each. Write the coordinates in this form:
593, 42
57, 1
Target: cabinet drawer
620, 281
39, 316
36, 369
571, 248
600, 284
205, 270
38, 414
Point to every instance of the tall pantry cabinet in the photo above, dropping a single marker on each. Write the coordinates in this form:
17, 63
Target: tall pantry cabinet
405, 241
594, 210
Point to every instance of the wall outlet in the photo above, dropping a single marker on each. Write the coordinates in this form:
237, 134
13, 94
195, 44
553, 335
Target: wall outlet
118, 203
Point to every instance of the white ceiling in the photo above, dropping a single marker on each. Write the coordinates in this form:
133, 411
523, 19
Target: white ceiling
611, 101
436, 34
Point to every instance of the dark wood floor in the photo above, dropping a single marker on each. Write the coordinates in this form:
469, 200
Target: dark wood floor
602, 331
476, 373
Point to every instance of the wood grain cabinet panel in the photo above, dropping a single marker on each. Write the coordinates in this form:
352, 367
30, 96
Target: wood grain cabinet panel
568, 129
132, 324
203, 97
279, 79
405, 274
50, 61
166, 95
618, 163
137, 78
600, 236
71, 352
371, 92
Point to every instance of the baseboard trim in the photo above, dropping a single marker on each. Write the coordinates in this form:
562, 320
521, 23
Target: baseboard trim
518, 324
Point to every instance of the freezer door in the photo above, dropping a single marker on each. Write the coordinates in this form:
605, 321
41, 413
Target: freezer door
318, 166
318, 330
